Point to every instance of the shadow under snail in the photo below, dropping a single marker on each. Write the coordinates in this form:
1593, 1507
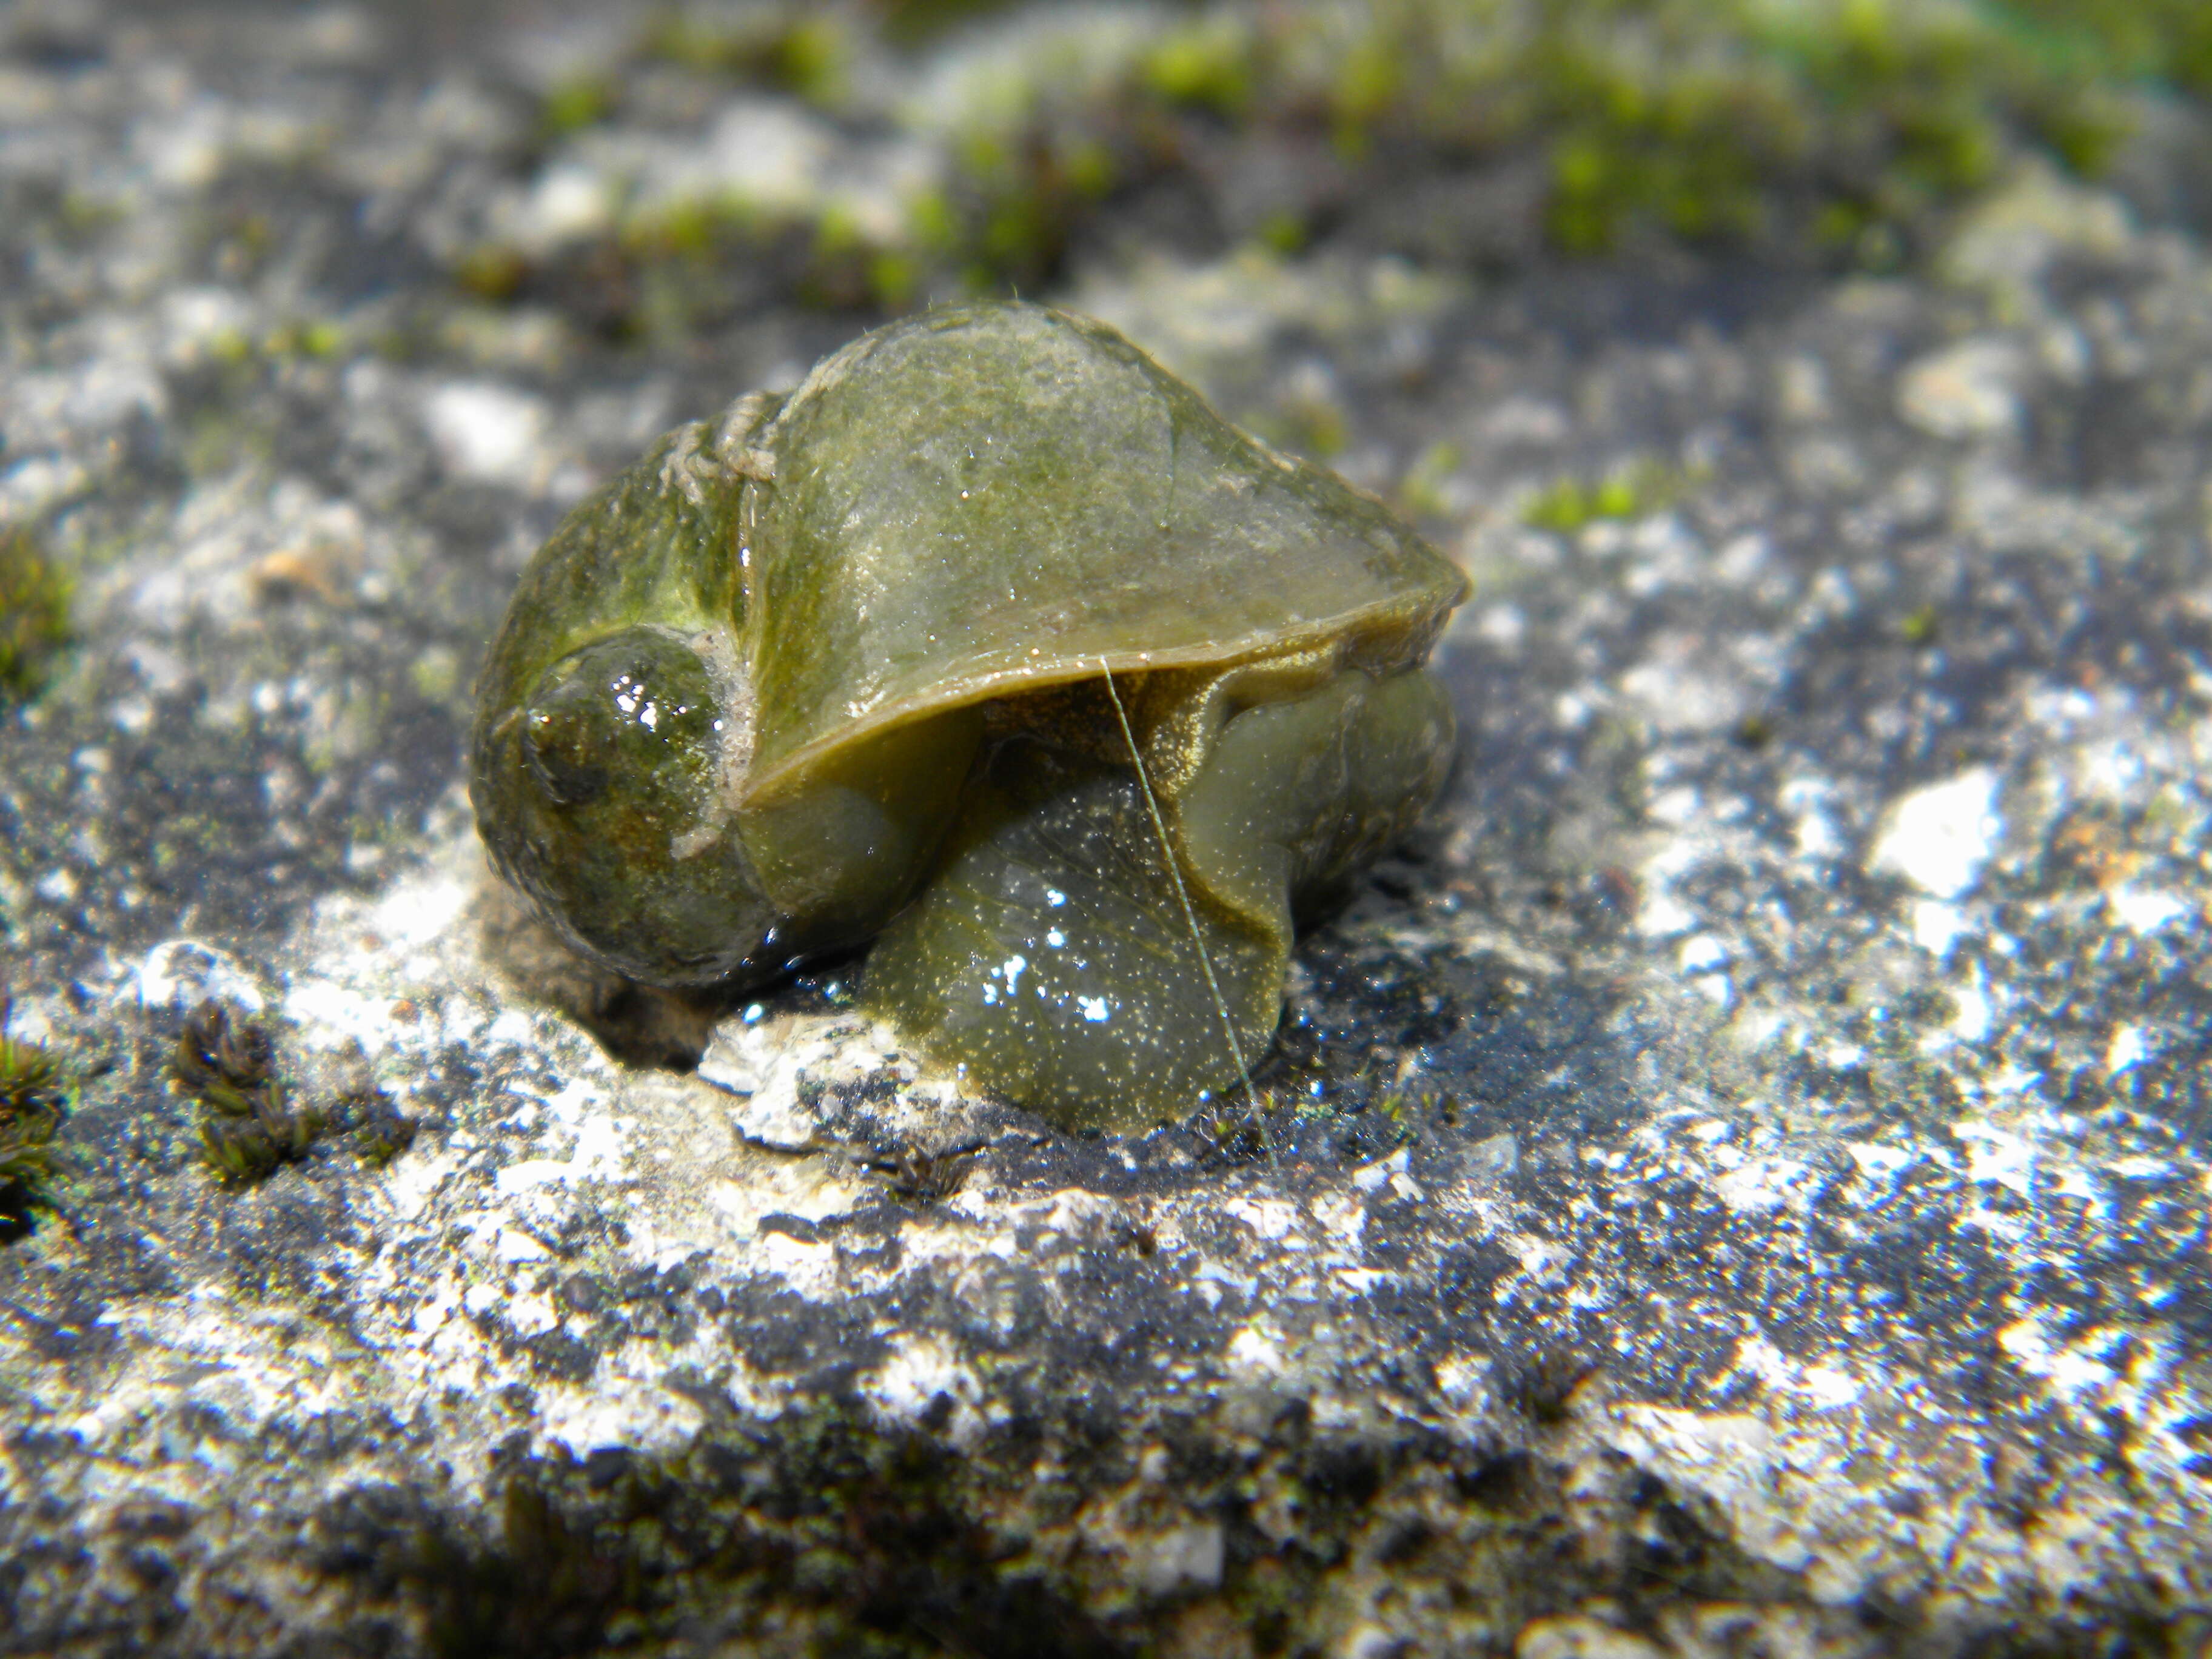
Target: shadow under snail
992, 641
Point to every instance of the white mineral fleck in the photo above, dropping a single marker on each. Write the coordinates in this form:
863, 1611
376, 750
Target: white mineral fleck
488, 432
631, 1412
1937, 925
2126, 1048
1939, 837
1971, 390
1763, 1184
1270, 1217
2147, 910
1701, 953
918, 1372
1252, 1349
1369, 1177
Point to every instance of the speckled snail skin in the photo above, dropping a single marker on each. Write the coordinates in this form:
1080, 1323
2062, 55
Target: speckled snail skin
857, 661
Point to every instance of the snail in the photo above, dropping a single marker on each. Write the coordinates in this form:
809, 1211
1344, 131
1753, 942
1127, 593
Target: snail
993, 643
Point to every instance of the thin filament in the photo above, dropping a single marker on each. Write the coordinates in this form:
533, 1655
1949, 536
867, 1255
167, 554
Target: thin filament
1190, 919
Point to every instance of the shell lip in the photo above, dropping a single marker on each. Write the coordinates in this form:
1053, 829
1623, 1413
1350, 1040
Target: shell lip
787, 773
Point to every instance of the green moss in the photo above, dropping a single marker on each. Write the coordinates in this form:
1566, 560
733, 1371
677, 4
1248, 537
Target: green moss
572, 105
1309, 421
251, 1122
379, 1131
812, 59
304, 338
701, 228
931, 229
1368, 83
1754, 731
1659, 126
1401, 1111
35, 596
1204, 65
839, 266
491, 270
848, 265
907, 22
1571, 503
84, 216
894, 280
799, 49
1016, 198
675, 38
1422, 489
1843, 132
1088, 168
1284, 233
33, 1099
249, 1125
921, 1177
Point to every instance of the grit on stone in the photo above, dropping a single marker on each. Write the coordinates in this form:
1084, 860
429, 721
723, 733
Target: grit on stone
1744, 1166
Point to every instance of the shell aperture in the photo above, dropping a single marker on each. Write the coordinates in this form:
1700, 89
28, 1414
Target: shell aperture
831, 668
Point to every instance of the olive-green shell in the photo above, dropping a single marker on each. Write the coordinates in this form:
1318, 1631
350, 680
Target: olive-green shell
991, 499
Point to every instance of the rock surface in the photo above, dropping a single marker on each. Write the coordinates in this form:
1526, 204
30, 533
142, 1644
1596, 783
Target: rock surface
1738, 1182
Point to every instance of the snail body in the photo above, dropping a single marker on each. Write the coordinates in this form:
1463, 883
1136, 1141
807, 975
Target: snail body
993, 642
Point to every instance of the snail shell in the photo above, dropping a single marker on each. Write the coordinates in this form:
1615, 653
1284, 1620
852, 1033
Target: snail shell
992, 642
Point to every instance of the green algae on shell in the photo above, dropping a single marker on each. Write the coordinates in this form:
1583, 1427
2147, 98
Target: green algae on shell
885, 658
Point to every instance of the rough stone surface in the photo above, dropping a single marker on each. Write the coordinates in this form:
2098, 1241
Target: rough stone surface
1740, 1177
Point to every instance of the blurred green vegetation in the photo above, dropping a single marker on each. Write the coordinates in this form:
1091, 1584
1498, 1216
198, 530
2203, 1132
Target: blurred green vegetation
1841, 130
34, 595
800, 49
33, 1100
1570, 504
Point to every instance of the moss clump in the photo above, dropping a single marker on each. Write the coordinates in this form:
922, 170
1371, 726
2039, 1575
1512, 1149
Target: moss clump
379, 1132
919, 1175
35, 594
491, 272
1205, 65
32, 1102
574, 105
249, 1126
1571, 503
795, 49
1422, 491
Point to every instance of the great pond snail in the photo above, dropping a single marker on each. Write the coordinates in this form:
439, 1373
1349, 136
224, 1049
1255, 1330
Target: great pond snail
993, 642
